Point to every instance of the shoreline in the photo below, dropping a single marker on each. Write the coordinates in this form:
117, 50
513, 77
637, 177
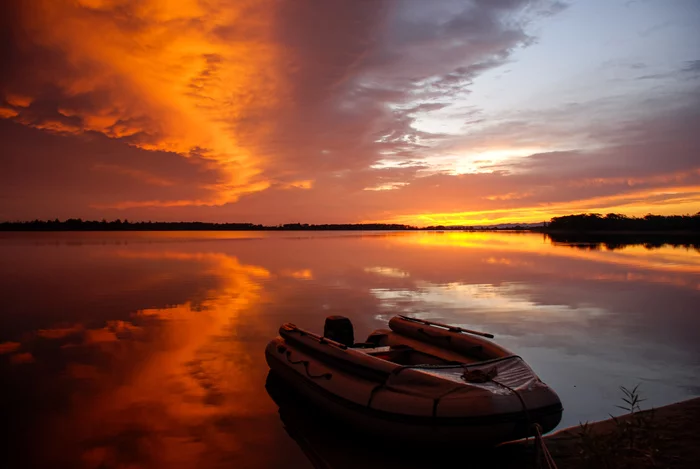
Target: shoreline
676, 426
676, 442
359, 228
618, 232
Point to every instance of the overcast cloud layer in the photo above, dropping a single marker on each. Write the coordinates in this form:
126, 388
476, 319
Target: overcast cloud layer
348, 111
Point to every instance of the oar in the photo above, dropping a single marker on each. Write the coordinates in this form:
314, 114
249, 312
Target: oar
447, 326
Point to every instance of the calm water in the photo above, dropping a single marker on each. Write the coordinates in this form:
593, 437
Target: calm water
146, 349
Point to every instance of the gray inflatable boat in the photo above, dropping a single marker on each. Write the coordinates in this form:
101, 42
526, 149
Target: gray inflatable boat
418, 380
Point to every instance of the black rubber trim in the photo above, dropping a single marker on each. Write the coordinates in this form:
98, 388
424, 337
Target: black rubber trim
373, 374
511, 417
362, 371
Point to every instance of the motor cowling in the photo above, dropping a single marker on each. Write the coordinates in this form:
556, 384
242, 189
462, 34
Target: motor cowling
339, 328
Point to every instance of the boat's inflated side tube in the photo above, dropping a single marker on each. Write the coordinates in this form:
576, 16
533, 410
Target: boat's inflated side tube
404, 400
359, 378
449, 339
380, 410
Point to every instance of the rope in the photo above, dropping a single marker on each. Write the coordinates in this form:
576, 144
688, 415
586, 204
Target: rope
306, 367
540, 444
436, 401
541, 450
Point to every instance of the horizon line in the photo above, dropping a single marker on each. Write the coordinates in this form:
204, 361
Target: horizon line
300, 225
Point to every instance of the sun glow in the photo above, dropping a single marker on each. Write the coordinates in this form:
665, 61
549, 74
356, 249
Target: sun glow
480, 161
666, 260
662, 201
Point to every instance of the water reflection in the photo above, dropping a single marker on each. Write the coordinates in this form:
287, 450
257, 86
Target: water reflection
622, 241
329, 445
166, 386
144, 351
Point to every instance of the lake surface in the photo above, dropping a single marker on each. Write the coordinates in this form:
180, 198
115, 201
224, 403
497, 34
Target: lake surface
146, 349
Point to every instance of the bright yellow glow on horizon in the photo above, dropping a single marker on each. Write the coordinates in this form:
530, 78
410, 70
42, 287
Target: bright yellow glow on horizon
219, 83
676, 200
667, 259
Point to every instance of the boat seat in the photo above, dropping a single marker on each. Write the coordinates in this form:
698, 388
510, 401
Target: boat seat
407, 355
363, 345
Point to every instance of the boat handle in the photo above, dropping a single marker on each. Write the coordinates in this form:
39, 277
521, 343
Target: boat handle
306, 367
447, 326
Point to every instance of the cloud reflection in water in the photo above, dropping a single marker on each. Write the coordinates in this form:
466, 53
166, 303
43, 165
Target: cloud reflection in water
147, 352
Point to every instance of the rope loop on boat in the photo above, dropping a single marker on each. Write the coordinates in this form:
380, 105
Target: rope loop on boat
541, 450
306, 367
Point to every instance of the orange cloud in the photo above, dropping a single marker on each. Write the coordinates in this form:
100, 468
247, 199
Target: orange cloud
56, 126
305, 184
18, 100
135, 173
509, 196
225, 195
20, 358
253, 98
60, 333
184, 77
303, 274
9, 347
6, 112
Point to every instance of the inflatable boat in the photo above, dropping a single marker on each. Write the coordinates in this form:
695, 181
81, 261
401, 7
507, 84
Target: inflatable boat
418, 380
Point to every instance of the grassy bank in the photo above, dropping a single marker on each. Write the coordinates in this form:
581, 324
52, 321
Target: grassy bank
667, 437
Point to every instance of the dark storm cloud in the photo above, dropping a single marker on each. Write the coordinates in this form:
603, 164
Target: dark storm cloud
397, 60
72, 173
265, 109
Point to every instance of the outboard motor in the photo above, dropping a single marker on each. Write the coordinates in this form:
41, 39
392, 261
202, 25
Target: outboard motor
339, 328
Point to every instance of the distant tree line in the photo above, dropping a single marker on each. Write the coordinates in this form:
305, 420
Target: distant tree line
588, 222
77, 224
584, 223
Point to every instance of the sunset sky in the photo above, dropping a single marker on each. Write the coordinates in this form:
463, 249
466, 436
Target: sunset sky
330, 111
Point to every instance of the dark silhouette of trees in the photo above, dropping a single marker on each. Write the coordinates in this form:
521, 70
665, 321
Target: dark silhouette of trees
615, 231
582, 223
77, 224
591, 241
616, 222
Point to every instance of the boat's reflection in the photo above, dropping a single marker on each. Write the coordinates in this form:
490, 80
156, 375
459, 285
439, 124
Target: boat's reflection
330, 445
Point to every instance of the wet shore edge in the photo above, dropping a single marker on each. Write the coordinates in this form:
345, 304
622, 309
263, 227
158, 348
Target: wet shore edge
676, 429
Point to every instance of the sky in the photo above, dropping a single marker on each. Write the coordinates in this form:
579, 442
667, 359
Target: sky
345, 111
